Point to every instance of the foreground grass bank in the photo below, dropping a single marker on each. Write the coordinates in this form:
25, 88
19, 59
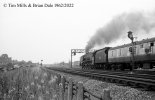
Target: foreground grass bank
28, 84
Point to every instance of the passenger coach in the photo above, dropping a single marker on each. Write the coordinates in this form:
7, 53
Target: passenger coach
143, 52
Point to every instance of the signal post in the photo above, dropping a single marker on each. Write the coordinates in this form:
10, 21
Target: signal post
130, 35
74, 51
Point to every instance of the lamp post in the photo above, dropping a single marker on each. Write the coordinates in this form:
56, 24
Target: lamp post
130, 35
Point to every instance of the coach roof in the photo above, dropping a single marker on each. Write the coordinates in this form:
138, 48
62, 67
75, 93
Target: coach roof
136, 43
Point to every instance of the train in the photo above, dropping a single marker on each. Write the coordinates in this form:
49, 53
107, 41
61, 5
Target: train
135, 55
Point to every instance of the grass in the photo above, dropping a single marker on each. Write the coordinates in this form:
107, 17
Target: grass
28, 84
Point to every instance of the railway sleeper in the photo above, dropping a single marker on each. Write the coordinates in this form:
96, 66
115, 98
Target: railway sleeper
107, 80
99, 78
146, 86
133, 84
125, 82
118, 81
152, 87
113, 81
122, 82
103, 79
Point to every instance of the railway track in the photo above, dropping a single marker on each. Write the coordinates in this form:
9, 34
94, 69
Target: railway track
135, 80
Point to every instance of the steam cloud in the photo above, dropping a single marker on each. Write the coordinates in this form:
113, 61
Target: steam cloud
120, 25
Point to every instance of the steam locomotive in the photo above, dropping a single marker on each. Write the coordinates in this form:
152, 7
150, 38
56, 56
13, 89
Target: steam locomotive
139, 54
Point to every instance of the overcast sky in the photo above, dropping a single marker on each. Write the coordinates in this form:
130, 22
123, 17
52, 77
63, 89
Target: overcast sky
49, 33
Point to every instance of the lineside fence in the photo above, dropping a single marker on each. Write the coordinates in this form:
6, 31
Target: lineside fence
69, 90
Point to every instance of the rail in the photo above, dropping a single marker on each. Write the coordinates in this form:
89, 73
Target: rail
136, 80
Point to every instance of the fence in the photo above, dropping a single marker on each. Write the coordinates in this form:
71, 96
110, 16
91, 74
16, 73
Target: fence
70, 89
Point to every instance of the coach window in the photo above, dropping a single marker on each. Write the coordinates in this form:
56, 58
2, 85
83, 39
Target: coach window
141, 46
112, 53
119, 52
151, 44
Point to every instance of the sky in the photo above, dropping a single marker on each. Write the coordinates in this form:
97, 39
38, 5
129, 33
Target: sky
49, 33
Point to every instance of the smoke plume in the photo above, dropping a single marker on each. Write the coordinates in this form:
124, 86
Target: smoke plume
120, 25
